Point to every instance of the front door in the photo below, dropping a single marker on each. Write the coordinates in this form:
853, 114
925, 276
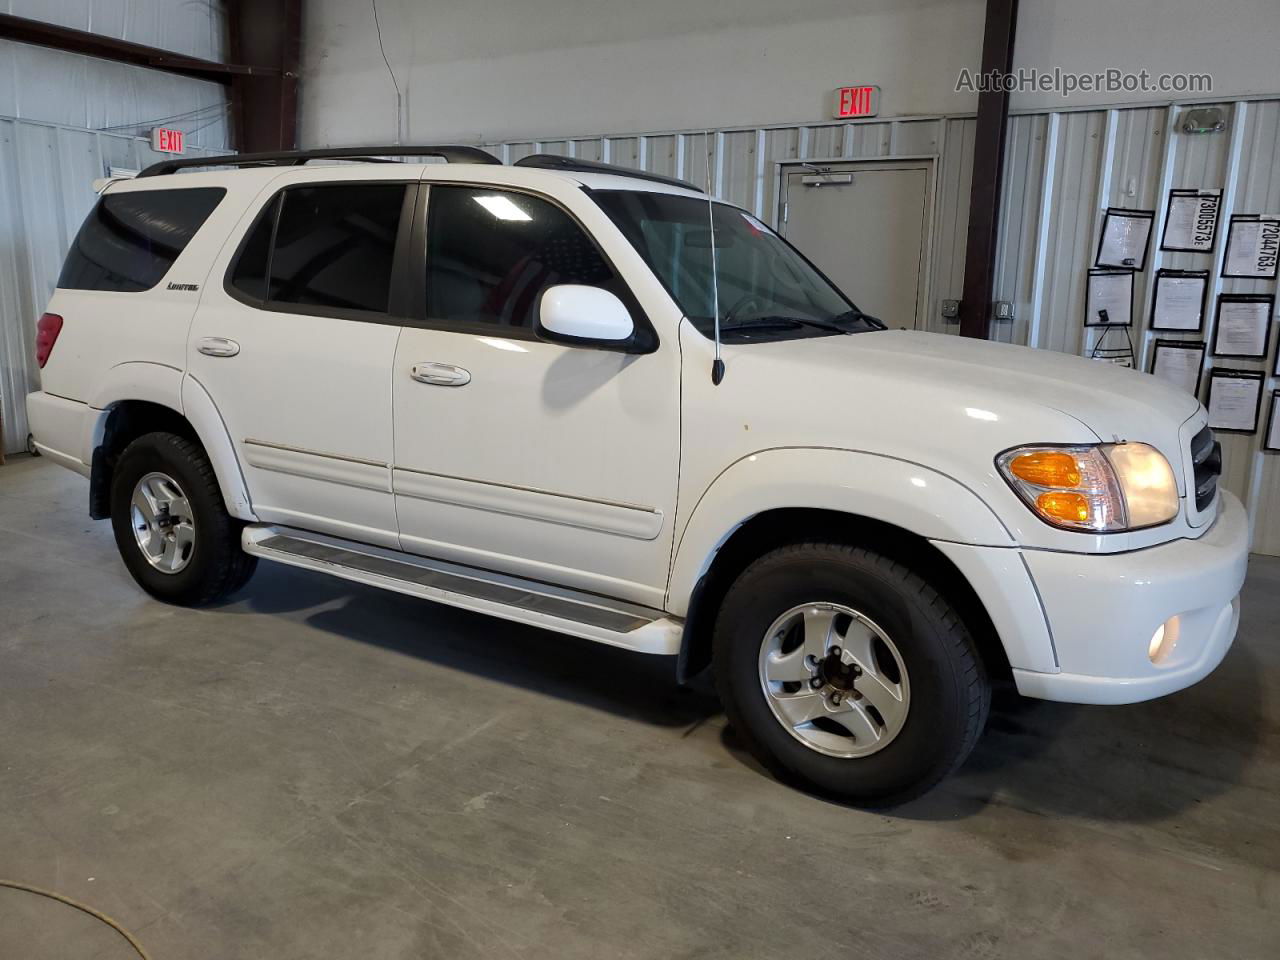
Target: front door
295, 349
865, 225
556, 463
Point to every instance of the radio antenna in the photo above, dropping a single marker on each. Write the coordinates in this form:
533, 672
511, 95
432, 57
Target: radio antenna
717, 365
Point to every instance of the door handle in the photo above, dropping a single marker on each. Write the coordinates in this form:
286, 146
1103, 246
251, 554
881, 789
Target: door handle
218, 347
440, 374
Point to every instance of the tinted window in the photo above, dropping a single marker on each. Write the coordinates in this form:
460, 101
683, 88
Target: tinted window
490, 255
759, 277
250, 273
130, 240
334, 246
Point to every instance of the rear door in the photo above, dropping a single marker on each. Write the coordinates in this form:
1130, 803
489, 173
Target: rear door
294, 342
553, 462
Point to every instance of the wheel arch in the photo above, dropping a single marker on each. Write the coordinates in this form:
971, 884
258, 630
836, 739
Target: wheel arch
782, 496
121, 421
780, 527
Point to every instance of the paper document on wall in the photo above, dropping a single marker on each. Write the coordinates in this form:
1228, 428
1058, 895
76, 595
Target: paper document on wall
1178, 302
1253, 247
1242, 328
1124, 238
1113, 293
1192, 221
1233, 402
1179, 364
1273, 430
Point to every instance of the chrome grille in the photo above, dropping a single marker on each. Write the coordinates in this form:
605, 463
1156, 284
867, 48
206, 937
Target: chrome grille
1206, 459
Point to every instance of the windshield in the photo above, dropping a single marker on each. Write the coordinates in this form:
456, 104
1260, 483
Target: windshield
767, 289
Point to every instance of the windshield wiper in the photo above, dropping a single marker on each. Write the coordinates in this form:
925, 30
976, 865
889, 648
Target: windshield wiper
856, 314
776, 321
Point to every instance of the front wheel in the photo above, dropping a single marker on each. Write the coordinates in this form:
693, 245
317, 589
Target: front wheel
847, 671
171, 526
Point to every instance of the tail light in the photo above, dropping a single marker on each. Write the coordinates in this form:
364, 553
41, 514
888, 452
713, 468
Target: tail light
47, 331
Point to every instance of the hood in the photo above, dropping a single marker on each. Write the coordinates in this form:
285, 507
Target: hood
949, 403
1116, 403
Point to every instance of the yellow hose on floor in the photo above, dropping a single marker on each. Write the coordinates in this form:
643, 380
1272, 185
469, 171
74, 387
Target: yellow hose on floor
84, 908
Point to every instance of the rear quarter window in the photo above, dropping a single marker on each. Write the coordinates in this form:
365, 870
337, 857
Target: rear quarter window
130, 240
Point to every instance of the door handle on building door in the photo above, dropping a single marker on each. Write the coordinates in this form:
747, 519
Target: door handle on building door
218, 347
440, 374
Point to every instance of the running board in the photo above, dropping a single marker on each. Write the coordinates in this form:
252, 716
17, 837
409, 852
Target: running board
511, 598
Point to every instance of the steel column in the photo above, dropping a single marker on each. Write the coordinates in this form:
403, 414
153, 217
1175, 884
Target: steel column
988, 170
268, 35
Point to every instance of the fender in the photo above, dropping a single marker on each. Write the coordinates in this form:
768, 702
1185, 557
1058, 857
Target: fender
203, 415
908, 495
169, 387
157, 383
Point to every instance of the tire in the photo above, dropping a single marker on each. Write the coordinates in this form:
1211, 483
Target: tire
904, 649
205, 562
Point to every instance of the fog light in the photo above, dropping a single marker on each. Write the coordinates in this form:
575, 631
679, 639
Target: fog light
1163, 640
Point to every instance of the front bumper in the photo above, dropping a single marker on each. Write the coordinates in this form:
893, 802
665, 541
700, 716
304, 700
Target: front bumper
1102, 612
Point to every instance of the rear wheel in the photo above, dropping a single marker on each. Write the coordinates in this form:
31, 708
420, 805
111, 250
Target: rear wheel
171, 527
848, 672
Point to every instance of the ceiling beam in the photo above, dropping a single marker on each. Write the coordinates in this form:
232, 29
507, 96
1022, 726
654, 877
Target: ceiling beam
24, 30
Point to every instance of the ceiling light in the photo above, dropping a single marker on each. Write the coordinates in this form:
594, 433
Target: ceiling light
502, 208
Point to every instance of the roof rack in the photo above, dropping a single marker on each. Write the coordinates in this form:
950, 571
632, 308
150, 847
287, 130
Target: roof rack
449, 153
551, 161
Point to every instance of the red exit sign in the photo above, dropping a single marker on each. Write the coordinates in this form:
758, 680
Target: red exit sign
853, 102
165, 140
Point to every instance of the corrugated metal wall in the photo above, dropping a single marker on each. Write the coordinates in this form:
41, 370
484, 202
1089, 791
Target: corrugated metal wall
39, 83
744, 170
63, 88
193, 27
67, 119
1062, 171
46, 173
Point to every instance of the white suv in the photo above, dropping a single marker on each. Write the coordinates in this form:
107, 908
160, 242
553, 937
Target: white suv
499, 387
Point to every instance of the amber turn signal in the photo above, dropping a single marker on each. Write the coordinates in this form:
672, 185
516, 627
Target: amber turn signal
1074, 487
1068, 507
1046, 468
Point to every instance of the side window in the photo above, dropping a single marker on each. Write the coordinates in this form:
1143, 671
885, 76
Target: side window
131, 239
249, 275
491, 253
329, 246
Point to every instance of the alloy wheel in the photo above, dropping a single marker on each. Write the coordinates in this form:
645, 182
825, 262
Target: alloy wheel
834, 680
163, 523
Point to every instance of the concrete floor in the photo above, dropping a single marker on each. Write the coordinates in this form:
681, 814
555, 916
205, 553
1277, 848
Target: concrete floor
323, 770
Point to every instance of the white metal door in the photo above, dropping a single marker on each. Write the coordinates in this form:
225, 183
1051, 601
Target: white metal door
553, 462
866, 227
304, 388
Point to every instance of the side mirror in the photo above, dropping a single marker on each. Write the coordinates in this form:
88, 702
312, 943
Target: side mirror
584, 316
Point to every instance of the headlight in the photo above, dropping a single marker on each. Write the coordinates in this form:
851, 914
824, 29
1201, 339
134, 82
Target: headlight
1150, 490
1102, 489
